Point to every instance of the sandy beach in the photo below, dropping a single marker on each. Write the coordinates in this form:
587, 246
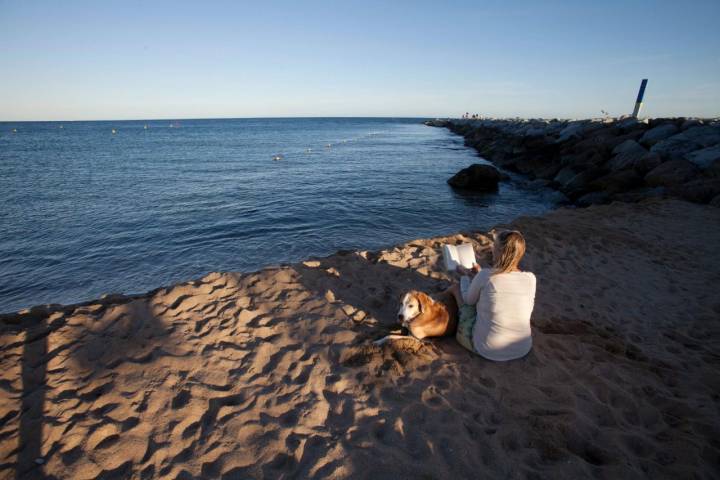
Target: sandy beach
272, 374
227, 230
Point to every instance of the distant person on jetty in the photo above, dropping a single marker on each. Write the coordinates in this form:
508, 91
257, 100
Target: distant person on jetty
495, 307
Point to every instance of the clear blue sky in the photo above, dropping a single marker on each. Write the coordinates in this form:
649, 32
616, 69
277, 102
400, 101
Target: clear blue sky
65, 60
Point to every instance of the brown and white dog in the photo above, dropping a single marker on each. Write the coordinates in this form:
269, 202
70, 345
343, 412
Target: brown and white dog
425, 317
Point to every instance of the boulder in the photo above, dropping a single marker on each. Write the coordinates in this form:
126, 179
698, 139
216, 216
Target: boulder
647, 163
627, 155
690, 122
593, 198
616, 182
535, 132
548, 170
585, 158
639, 194
704, 136
688, 141
627, 146
479, 177
673, 172
554, 127
701, 190
565, 175
655, 122
592, 126
573, 130
537, 166
598, 139
704, 158
630, 123
579, 184
556, 197
661, 132
612, 141
537, 184
713, 170
675, 147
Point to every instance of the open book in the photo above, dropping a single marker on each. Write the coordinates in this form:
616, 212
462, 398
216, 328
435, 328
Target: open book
455, 255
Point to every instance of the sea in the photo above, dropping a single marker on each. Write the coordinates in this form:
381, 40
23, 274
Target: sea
89, 208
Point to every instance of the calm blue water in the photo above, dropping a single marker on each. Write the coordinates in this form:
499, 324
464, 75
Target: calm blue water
86, 212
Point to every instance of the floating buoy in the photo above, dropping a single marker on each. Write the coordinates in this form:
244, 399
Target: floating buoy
145, 127
114, 131
61, 127
14, 130
278, 157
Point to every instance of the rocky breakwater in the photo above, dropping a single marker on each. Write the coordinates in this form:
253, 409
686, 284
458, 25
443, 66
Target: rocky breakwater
602, 160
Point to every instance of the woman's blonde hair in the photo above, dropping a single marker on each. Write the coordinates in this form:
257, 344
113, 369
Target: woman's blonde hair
511, 248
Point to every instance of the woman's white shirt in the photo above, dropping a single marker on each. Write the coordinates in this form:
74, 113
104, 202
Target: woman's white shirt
504, 304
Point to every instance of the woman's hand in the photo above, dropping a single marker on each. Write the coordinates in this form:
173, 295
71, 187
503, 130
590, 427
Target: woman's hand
462, 270
468, 271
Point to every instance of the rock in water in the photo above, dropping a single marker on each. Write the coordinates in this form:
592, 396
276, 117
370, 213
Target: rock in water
476, 177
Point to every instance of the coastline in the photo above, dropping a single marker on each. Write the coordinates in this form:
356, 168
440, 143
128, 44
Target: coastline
184, 210
272, 372
598, 161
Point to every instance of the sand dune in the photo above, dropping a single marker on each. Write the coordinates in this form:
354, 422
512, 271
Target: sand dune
272, 374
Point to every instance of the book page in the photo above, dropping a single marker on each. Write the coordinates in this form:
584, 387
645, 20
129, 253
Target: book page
466, 255
450, 254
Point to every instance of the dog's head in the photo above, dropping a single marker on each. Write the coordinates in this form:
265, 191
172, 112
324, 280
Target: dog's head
412, 305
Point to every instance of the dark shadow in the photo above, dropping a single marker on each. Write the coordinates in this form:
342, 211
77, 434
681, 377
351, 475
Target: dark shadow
373, 283
370, 282
93, 353
32, 402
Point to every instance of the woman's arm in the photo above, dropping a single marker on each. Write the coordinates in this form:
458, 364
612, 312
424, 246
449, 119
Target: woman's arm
472, 295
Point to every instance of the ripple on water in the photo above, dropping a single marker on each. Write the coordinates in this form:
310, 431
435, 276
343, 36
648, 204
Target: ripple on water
86, 212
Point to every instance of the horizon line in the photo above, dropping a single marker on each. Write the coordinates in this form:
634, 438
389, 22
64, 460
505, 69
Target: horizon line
226, 118
300, 117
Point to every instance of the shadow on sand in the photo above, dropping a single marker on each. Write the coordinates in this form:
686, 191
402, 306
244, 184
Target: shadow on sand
90, 357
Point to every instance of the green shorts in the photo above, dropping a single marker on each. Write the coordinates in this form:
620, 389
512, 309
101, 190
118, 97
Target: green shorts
466, 321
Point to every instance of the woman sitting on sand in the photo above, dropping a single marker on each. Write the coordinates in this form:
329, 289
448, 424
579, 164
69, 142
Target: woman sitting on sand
495, 308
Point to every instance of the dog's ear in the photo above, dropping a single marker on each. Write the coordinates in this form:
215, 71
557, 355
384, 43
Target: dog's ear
424, 300
409, 295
